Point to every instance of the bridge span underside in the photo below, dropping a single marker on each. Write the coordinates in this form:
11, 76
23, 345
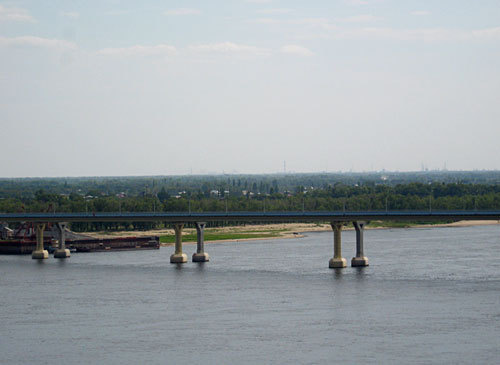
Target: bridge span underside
336, 219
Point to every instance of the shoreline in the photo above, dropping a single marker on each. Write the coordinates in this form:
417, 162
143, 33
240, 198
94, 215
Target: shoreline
281, 230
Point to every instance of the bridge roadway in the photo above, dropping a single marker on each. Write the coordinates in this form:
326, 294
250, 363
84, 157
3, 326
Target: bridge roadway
336, 219
186, 217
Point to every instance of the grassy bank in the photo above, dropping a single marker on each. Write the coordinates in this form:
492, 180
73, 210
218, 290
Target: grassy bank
220, 236
269, 231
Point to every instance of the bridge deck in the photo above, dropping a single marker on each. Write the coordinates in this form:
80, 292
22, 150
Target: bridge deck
252, 216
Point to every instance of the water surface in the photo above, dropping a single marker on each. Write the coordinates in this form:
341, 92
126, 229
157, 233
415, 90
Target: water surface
428, 296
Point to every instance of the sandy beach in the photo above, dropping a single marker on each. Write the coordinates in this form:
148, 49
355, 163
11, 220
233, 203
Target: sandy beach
281, 230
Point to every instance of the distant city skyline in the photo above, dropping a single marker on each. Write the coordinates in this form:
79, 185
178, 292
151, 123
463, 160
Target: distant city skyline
125, 88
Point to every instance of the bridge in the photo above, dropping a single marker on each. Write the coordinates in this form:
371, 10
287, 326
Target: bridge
178, 219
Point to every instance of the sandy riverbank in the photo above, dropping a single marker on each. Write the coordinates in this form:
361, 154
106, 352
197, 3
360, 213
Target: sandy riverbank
281, 230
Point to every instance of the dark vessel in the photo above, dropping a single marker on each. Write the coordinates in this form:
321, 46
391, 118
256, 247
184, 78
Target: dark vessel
22, 241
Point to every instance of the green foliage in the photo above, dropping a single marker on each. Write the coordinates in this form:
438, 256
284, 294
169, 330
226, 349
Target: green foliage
279, 192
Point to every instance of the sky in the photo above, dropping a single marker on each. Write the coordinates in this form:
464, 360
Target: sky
122, 87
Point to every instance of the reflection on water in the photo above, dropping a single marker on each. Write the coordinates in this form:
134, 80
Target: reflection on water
428, 296
360, 272
337, 273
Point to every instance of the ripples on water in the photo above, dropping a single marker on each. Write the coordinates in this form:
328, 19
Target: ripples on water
429, 296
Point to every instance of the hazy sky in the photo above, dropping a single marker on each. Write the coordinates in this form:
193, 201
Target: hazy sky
110, 87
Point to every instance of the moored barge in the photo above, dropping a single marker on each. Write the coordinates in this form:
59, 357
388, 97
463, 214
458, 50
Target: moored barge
22, 241
26, 247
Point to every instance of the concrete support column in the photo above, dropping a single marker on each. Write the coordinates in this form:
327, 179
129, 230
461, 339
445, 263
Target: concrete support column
61, 252
360, 259
178, 257
337, 261
40, 253
200, 255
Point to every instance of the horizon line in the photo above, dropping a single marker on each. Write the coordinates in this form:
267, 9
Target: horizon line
339, 172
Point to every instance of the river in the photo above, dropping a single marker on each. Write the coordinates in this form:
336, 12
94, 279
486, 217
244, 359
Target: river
430, 295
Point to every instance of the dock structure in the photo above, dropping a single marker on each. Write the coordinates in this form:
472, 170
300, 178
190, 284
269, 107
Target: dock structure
336, 219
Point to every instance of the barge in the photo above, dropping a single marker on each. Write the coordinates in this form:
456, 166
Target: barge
26, 247
23, 242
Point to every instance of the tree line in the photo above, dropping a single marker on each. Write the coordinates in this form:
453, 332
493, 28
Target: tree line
276, 195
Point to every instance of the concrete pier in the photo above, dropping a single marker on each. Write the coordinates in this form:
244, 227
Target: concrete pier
40, 253
360, 259
62, 252
337, 262
178, 257
200, 255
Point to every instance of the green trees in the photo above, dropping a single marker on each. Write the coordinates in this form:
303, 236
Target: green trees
311, 192
163, 195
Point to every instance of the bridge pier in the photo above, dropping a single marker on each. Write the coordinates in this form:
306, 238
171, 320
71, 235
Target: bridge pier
40, 253
360, 259
62, 252
337, 262
178, 257
200, 255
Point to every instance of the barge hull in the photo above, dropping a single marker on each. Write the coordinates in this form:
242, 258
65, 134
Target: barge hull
26, 247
